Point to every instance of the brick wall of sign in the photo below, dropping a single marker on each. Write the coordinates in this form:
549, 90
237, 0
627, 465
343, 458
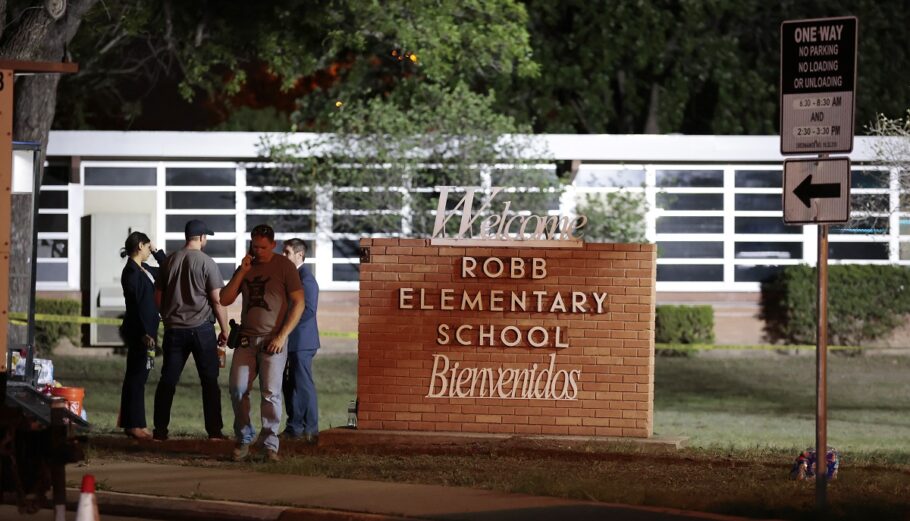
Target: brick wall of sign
507, 340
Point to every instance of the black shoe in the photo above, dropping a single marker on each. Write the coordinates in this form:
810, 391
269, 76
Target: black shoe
311, 439
288, 435
217, 436
159, 435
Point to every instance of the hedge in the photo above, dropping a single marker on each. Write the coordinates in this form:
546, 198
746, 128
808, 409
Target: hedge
865, 302
684, 325
47, 334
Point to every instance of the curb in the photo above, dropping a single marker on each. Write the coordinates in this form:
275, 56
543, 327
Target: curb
341, 439
183, 509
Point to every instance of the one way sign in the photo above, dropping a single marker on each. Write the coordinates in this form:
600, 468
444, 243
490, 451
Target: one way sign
817, 191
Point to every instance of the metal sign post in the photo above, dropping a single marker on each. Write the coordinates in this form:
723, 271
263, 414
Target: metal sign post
817, 100
821, 377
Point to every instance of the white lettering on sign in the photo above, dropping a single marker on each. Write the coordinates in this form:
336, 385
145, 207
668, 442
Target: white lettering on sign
824, 33
537, 301
453, 380
509, 336
807, 51
508, 226
494, 268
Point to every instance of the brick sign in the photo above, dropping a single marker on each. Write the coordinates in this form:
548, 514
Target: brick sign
507, 339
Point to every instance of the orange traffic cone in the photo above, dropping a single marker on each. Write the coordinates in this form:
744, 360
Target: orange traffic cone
88, 506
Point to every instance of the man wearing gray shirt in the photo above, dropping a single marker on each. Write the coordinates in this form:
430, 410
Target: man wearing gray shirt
188, 293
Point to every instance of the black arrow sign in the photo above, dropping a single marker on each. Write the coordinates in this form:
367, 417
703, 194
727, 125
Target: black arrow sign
806, 191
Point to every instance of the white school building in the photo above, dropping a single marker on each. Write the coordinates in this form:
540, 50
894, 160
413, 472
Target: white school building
714, 209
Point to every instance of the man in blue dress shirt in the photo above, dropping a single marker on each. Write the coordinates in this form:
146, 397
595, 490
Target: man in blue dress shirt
298, 387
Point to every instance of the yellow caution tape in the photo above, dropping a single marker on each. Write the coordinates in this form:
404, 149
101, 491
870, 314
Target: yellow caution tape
72, 319
20, 318
340, 334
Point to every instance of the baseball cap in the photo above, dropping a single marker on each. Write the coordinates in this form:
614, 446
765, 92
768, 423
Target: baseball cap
196, 228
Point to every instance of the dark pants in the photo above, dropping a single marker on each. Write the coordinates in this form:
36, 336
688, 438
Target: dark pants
178, 345
300, 393
132, 397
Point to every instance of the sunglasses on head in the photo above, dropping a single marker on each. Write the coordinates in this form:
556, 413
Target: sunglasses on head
263, 230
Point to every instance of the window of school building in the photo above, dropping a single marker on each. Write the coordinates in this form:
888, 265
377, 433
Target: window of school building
714, 205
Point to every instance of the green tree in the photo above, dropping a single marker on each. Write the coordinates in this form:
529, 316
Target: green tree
321, 51
38, 31
32, 31
384, 156
606, 67
614, 216
660, 66
409, 110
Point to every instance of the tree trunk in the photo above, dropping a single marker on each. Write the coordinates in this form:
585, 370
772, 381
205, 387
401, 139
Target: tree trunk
37, 37
34, 36
652, 124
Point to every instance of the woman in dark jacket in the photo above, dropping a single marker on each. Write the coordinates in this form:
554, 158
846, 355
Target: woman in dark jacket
139, 330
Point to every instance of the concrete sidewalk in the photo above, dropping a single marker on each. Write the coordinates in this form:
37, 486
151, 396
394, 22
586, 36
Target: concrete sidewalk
175, 492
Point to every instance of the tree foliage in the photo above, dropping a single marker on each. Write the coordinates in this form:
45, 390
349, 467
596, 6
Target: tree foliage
318, 51
383, 157
614, 216
406, 110
614, 66
30, 33
706, 67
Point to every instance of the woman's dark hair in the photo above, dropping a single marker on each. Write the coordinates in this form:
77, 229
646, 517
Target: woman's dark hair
132, 243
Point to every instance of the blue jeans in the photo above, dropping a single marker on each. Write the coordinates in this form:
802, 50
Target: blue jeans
200, 341
249, 362
300, 394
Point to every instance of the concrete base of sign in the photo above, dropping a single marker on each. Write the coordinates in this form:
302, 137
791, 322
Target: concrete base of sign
366, 437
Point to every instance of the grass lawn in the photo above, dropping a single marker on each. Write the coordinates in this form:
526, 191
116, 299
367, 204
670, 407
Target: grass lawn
734, 403
746, 419
102, 378
745, 403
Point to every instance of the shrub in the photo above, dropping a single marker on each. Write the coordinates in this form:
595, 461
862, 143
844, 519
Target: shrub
684, 325
865, 302
47, 333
